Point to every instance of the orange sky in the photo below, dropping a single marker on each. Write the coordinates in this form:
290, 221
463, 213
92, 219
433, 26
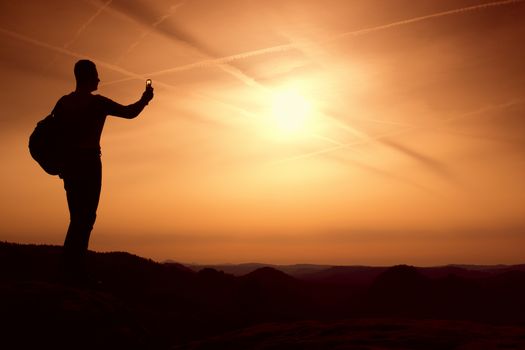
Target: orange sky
292, 131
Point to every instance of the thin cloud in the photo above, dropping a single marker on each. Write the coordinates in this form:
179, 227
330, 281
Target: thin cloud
287, 47
388, 175
432, 164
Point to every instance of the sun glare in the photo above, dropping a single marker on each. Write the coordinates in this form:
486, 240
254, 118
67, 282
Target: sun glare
291, 112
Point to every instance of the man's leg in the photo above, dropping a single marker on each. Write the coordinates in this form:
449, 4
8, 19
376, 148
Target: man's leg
82, 182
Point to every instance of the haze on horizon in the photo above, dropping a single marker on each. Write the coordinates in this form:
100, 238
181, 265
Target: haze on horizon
291, 131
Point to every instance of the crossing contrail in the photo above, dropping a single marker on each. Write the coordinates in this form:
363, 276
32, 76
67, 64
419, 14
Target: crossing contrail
223, 62
287, 47
389, 135
249, 81
172, 10
114, 67
185, 40
213, 62
68, 52
82, 28
100, 9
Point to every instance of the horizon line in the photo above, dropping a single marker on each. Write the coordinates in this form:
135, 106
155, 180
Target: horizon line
266, 264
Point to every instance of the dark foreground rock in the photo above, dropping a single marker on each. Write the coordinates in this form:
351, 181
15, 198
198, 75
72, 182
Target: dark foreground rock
367, 334
135, 303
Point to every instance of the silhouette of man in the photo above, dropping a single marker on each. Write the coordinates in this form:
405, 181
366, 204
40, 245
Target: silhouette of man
81, 116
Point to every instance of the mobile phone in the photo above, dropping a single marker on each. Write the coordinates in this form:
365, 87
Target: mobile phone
148, 83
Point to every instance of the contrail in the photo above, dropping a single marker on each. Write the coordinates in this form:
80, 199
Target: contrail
100, 9
328, 139
232, 70
182, 38
212, 62
288, 47
107, 65
364, 166
223, 61
71, 53
172, 10
432, 164
380, 121
424, 18
396, 133
87, 23
247, 80
387, 174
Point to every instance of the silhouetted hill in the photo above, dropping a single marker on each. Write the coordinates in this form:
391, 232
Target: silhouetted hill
400, 290
270, 276
136, 303
399, 279
296, 270
405, 291
464, 272
491, 268
345, 275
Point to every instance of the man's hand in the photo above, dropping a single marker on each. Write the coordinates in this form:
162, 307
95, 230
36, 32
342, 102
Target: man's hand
147, 95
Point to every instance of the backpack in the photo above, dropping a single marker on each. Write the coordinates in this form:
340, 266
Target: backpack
45, 145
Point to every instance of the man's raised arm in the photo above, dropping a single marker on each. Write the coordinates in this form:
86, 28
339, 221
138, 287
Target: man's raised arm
129, 111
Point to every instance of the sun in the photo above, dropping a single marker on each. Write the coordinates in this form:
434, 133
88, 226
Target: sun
291, 112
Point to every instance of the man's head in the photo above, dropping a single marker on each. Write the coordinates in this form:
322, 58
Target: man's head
86, 75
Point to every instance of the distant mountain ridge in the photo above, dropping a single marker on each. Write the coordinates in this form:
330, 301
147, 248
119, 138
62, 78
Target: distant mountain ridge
357, 274
245, 268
